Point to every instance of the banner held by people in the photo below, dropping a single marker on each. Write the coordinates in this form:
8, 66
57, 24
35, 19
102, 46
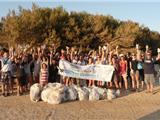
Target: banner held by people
93, 72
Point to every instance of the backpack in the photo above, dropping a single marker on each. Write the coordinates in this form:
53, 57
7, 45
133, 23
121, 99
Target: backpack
140, 65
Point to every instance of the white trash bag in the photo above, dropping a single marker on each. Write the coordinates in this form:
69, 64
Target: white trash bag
111, 94
55, 97
53, 93
73, 95
118, 93
54, 85
83, 93
65, 94
35, 92
94, 95
102, 92
46, 93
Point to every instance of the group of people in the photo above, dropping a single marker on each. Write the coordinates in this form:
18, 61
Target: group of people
24, 67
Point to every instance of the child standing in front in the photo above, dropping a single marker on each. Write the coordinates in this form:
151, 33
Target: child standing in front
44, 74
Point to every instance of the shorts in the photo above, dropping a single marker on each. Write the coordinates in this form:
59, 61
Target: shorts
141, 75
149, 78
6, 78
134, 73
22, 80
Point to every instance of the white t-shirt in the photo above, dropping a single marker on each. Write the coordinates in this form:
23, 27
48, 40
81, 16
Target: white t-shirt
6, 65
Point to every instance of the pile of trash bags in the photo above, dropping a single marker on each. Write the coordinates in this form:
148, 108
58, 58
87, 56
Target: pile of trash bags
56, 93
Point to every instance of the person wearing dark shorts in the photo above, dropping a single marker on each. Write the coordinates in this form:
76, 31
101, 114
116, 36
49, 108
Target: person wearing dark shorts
6, 74
134, 73
21, 78
141, 72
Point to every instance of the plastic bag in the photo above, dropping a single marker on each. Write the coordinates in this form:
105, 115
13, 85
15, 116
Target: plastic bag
46, 93
83, 93
72, 93
94, 95
102, 92
54, 85
111, 94
53, 93
35, 92
55, 97
118, 93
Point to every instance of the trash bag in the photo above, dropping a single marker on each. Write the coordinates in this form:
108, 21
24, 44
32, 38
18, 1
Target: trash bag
102, 93
110, 94
118, 93
54, 85
65, 94
55, 97
46, 93
83, 93
94, 95
72, 93
35, 92
53, 93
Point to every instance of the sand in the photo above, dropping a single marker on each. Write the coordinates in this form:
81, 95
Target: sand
140, 106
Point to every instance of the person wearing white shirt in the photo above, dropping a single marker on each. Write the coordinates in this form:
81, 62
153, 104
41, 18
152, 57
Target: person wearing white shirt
6, 73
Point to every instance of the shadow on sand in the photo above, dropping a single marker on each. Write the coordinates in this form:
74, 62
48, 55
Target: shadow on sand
153, 116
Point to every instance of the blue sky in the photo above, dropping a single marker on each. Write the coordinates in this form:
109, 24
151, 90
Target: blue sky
145, 12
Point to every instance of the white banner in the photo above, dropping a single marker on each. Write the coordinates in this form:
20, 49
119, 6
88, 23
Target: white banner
91, 72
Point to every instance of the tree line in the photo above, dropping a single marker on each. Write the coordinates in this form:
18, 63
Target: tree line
56, 25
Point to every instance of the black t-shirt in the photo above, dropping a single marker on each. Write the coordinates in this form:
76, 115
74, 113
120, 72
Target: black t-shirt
20, 70
134, 64
53, 73
148, 66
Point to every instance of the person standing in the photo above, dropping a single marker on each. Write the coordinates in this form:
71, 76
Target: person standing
6, 74
134, 73
36, 69
44, 74
53, 71
114, 62
123, 70
91, 82
149, 72
140, 67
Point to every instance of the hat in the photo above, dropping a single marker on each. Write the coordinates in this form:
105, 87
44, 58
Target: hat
121, 55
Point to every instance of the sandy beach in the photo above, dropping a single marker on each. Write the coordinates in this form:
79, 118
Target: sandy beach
139, 106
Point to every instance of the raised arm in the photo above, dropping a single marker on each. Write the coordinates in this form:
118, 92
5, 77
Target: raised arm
117, 50
110, 57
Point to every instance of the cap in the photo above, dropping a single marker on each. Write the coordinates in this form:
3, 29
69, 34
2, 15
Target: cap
121, 55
